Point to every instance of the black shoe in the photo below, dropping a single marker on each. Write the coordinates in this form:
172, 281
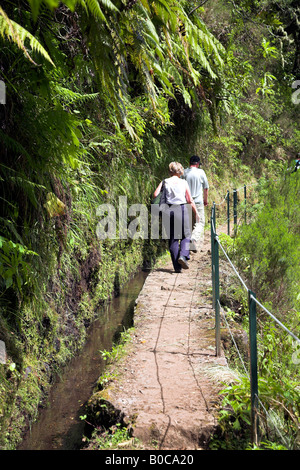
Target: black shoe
183, 262
178, 270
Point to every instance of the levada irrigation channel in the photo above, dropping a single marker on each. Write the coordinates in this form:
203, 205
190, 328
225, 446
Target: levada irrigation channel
59, 426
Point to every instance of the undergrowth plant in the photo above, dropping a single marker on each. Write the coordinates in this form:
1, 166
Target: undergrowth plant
266, 252
100, 96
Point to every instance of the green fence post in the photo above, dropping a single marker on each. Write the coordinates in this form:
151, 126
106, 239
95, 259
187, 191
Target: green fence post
245, 200
217, 297
215, 276
235, 210
253, 367
212, 235
214, 218
228, 213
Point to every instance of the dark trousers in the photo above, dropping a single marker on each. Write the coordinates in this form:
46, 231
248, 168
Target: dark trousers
179, 233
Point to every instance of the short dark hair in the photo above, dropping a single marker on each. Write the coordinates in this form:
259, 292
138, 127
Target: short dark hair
195, 159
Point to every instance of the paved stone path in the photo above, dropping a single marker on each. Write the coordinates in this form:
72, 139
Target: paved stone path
166, 382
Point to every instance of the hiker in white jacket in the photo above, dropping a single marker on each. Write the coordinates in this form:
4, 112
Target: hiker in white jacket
199, 186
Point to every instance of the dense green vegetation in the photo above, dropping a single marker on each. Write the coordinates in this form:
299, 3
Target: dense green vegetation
100, 97
266, 253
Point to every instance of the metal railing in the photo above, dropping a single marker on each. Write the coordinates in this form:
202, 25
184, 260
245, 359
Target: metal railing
235, 204
252, 302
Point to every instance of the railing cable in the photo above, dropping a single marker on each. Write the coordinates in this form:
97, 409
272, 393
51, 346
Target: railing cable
252, 301
271, 418
233, 340
276, 319
231, 264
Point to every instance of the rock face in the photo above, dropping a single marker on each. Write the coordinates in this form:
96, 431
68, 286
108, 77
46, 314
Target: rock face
164, 385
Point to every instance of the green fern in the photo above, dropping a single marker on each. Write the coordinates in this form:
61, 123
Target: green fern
51, 4
13, 31
94, 8
69, 97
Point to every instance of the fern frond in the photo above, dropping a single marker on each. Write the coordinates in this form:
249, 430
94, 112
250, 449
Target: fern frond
94, 8
71, 97
35, 5
18, 34
108, 4
15, 146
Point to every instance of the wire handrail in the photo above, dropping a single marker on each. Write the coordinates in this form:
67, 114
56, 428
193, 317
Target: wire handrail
231, 264
247, 289
234, 342
276, 320
252, 301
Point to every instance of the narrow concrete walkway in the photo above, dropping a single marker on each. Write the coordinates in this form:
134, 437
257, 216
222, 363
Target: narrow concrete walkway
166, 384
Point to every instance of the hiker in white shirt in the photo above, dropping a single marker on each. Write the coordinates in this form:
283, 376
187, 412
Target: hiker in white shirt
178, 197
198, 183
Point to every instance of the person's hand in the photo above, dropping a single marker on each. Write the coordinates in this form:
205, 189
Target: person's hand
205, 203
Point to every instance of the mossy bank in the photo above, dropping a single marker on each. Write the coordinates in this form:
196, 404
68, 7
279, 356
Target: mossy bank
52, 326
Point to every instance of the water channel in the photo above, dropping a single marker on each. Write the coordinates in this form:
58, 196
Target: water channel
59, 426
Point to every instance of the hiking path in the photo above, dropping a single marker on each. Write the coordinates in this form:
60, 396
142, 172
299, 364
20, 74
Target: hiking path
167, 384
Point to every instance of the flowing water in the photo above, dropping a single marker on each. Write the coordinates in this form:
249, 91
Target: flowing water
59, 426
